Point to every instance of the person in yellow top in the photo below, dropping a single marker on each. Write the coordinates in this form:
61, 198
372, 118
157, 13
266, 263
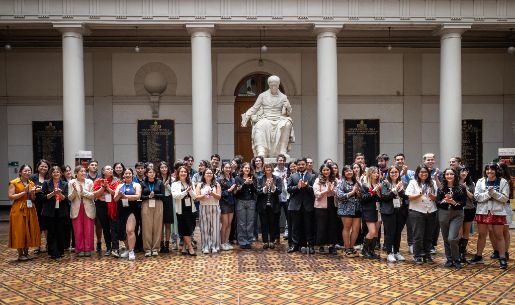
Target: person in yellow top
23, 219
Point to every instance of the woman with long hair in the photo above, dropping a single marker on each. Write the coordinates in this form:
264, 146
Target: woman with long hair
348, 194
421, 192
326, 219
394, 211
82, 211
165, 176
450, 201
469, 211
208, 192
127, 195
118, 170
183, 192
55, 210
268, 189
152, 192
245, 205
227, 202
42, 174
370, 190
23, 219
504, 172
492, 192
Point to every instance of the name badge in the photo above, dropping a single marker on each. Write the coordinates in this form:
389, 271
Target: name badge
396, 203
57, 204
29, 203
125, 202
151, 203
187, 203
108, 198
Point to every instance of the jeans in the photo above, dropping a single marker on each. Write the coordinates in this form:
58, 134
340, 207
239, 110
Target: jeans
450, 224
245, 211
423, 227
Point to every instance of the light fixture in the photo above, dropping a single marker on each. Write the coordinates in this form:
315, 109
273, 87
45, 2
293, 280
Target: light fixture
137, 49
262, 48
389, 47
511, 48
8, 46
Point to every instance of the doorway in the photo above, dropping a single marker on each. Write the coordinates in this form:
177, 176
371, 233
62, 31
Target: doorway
246, 93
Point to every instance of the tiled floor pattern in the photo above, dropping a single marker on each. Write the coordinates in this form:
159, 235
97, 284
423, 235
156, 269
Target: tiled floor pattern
248, 277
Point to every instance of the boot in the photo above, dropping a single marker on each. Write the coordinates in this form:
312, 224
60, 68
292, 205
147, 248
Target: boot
463, 250
377, 243
167, 247
162, 247
364, 249
372, 248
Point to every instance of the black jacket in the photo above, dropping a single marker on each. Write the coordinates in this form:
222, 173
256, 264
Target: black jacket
387, 196
264, 197
301, 197
247, 191
49, 209
159, 189
459, 195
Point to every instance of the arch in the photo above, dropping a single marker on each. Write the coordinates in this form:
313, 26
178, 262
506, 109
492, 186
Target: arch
167, 72
250, 67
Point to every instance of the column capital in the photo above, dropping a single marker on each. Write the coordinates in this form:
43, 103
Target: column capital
319, 28
200, 28
75, 27
452, 28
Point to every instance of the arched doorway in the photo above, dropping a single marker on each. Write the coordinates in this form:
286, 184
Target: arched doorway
246, 94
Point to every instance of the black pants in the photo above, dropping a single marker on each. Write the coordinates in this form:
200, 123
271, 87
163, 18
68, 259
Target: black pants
423, 227
303, 227
409, 232
268, 220
326, 225
69, 238
393, 226
109, 226
55, 236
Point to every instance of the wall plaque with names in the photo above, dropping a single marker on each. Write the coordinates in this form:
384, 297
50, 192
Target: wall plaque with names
156, 141
361, 136
47, 142
472, 146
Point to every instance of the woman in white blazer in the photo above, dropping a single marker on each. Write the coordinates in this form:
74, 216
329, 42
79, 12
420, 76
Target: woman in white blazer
82, 211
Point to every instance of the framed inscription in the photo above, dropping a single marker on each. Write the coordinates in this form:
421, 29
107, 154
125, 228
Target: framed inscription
47, 142
472, 146
361, 136
156, 141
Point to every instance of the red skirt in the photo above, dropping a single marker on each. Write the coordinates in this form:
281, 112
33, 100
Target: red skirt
490, 219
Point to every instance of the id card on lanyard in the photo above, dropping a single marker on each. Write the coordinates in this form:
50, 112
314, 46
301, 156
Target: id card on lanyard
151, 201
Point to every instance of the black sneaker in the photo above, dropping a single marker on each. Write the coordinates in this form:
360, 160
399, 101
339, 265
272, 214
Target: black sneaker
476, 260
448, 264
503, 264
99, 247
321, 250
458, 264
311, 250
304, 250
419, 260
495, 255
429, 259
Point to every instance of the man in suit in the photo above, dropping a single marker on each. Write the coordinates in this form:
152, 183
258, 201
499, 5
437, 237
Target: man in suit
301, 207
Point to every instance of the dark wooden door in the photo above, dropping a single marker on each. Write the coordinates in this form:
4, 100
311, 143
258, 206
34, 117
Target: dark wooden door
246, 94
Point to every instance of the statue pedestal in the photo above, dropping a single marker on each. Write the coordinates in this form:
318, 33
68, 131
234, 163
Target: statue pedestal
274, 160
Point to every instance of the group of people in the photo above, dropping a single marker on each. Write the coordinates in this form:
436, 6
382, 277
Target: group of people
154, 205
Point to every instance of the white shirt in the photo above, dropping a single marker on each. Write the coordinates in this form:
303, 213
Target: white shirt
422, 204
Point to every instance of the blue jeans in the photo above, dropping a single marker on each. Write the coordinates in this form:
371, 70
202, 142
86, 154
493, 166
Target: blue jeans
245, 211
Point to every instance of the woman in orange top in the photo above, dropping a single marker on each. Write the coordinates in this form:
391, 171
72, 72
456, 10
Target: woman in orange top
23, 219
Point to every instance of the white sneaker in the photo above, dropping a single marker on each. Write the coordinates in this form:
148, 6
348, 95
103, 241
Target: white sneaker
215, 250
391, 258
399, 257
205, 251
148, 253
358, 247
229, 246
155, 253
132, 256
411, 249
225, 247
124, 254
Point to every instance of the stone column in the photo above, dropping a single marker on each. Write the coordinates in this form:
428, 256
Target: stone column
74, 107
327, 92
450, 92
201, 95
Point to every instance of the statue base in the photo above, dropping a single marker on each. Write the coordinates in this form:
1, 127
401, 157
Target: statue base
274, 160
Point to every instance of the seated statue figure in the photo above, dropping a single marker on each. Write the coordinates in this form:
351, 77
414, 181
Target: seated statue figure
272, 128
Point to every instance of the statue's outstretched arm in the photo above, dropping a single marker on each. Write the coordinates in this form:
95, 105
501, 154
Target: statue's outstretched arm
252, 110
286, 111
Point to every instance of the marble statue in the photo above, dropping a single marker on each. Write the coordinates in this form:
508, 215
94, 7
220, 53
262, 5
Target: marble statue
272, 125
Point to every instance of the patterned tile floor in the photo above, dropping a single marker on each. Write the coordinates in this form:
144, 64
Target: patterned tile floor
248, 277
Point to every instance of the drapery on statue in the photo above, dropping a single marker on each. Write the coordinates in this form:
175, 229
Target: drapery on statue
272, 126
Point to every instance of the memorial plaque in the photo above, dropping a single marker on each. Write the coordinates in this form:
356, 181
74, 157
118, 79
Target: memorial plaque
156, 141
47, 142
361, 136
472, 146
